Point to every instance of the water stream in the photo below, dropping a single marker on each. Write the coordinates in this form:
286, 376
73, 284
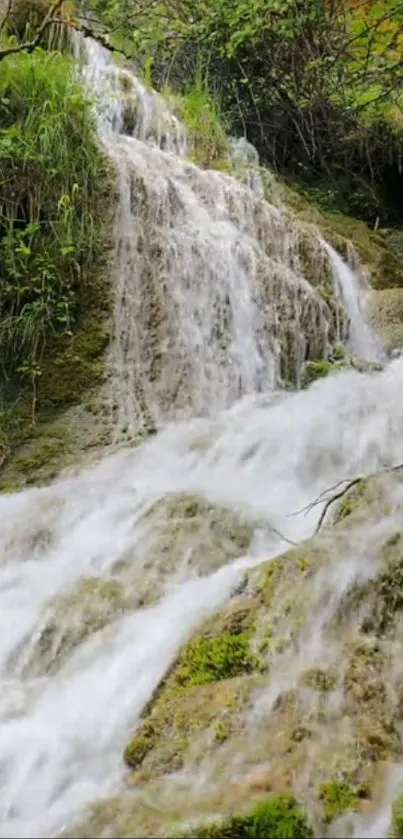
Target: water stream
199, 355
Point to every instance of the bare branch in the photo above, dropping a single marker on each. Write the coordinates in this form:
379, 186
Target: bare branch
349, 484
29, 46
336, 497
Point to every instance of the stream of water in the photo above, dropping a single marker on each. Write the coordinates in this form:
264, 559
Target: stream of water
199, 356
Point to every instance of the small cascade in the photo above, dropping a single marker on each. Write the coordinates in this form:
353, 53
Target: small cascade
219, 294
362, 340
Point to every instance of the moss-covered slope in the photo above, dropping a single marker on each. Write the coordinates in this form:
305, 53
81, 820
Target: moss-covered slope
295, 687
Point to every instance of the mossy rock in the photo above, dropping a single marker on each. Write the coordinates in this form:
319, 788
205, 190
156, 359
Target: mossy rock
252, 734
376, 252
213, 674
190, 532
91, 605
184, 722
385, 313
36, 454
378, 602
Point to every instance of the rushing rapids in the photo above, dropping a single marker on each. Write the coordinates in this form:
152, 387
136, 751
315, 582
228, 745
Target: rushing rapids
218, 301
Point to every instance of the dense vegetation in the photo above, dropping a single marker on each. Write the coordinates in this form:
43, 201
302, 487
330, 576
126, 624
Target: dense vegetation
52, 230
316, 85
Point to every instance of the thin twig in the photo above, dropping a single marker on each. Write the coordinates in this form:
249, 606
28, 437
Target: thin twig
281, 535
337, 495
319, 499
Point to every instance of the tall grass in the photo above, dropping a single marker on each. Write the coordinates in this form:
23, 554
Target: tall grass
52, 190
201, 114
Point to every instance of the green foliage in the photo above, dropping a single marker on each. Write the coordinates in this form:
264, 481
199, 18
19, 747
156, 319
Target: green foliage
53, 185
337, 797
315, 86
278, 818
200, 113
212, 659
396, 828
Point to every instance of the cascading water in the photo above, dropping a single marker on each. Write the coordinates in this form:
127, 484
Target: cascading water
97, 591
217, 291
362, 340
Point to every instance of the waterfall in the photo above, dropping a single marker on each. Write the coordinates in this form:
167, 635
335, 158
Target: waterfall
362, 340
213, 309
218, 293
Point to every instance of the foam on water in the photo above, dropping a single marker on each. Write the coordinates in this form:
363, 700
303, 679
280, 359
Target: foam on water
197, 349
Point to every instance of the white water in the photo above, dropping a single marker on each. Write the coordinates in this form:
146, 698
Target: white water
212, 299
362, 340
259, 451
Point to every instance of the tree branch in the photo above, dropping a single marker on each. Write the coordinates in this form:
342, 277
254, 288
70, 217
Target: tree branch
29, 46
52, 17
349, 484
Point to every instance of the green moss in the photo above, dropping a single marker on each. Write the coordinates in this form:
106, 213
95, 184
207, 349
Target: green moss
396, 827
351, 500
338, 352
277, 818
346, 507
265, 643
222, 731
136, 750
78, 363
337, 797
388, 597
213, 659
177, 719
43, 453
270, 578
314, 370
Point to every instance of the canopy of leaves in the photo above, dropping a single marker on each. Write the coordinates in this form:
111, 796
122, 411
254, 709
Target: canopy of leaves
316, 85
